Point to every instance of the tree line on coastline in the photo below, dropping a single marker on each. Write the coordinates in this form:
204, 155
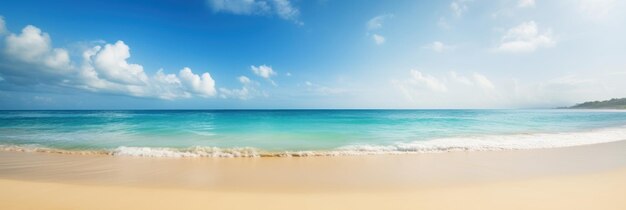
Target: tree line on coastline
615, 103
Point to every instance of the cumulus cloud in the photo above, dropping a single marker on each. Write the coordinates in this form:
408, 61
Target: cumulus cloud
111, 64
30, 45
378, 39
161, 85
525, 38
281, 8
202, 85
103, 68
265, 72
168, 86
438, 46
34, 46
526, 3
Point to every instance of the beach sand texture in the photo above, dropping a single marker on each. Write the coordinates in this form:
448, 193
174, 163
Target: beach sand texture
583, 177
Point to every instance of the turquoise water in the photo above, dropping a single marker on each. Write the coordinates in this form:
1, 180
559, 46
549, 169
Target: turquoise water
215, 133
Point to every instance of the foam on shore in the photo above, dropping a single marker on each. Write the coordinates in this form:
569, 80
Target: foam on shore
470, 143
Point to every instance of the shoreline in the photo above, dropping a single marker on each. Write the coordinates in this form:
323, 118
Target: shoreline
580, 177
502, 142
326, 173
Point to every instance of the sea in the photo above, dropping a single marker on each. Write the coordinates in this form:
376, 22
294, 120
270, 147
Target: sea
291, 133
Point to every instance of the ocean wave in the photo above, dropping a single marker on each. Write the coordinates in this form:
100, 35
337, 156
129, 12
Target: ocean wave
186, 152
496, 142
470, 143
42, 149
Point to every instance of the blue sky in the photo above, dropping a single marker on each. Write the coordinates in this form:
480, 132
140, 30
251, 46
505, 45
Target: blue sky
215, 54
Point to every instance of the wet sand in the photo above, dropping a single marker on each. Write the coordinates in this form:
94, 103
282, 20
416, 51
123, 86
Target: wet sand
583, 177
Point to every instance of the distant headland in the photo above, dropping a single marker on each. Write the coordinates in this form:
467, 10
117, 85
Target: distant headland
615, 103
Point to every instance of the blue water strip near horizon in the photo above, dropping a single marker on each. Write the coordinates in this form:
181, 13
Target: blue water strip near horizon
281, 130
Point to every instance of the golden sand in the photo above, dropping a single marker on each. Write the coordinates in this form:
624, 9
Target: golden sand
597, 191
585, 177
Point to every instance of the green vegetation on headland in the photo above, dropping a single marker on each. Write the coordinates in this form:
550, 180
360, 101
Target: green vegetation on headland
616, 103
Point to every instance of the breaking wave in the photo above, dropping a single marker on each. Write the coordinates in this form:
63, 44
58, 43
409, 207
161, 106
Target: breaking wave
470, 143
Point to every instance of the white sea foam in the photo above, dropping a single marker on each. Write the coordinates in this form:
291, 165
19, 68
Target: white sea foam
474, 143
494, 142
42, 149
470, 143
187, 152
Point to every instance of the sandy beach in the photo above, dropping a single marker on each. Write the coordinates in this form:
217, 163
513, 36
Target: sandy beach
313, 104
582, 177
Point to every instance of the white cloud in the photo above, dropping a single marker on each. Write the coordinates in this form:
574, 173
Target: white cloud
202, 85
526, 3
525, 38
476, 79
164, 86
240, 7
459, 79
263, 71
438, 46
597, 9
244, 80
34, 47
419, 85
282, 8
102, 69
168, 86
445, 89
378, 39
478, 91
459, 7
378, 21
567, 90
286, 11
429, 82
30, 45
111, 64
247, 91
482, 81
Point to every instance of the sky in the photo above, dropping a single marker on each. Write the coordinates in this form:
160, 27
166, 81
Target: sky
310, 54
